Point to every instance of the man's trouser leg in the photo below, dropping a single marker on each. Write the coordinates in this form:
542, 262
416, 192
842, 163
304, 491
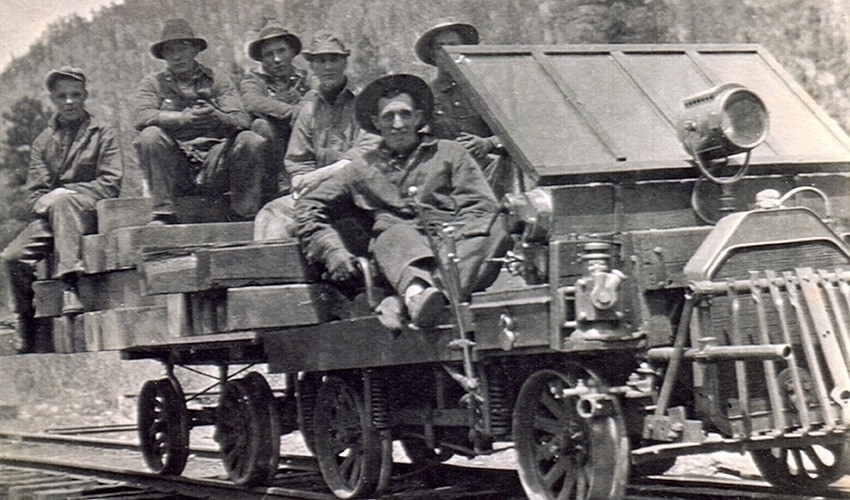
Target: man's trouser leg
72, 216
246, 168
18, 271
165, 168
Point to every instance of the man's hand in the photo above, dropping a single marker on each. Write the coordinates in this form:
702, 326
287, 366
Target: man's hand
477, 146
43, 204
304, 183
201, 114
342, 265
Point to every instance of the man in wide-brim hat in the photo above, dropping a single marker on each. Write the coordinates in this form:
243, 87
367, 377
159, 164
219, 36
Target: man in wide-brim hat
325, 135
456, 118
425, 44
450, 189
193, 132
272, 95
177, 30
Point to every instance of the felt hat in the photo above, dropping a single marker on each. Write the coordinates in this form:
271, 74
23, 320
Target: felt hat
272, 30
64, 72
326, 43
424, 50
365, 107
174, 30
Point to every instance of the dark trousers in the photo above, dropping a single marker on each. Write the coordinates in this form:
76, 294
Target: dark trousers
169, 173
403, 254
276, 133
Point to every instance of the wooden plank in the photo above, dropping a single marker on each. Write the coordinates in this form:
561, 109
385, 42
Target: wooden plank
125, 245
173, 270
259, 263
94, 253
122, 288
195, 269
354, 344
69, 334
283, 305
115, 213
123, 327
47, 298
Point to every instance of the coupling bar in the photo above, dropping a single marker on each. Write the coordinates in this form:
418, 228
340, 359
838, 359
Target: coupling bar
716, 354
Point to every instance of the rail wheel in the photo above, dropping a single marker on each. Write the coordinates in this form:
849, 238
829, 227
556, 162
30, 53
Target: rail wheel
803, 469
307, 387
163, 424
244, 430
563, 454
348, 447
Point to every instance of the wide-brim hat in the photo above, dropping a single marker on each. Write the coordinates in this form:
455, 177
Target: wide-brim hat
423, 48
326, 43
366, 104
174, 30
272, 31
64, 72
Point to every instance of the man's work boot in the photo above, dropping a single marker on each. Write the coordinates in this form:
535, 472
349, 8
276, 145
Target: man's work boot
71, 303
426, 308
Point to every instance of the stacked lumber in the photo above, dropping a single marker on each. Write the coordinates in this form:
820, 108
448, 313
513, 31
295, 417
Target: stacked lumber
150, 284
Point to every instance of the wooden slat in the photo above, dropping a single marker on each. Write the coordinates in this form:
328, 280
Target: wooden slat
282, 305
196, 269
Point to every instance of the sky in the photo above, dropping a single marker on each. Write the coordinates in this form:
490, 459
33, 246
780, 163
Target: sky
23, 21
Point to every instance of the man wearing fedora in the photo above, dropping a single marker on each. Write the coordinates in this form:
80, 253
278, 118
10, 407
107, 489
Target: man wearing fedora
74, 163
454, 116
325, 135
194, 136
450, 188
272, 95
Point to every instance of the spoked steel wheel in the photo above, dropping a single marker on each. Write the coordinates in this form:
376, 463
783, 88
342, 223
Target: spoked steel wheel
348, 447
247, 430
163, 424
307, 386
804, 469
564, 453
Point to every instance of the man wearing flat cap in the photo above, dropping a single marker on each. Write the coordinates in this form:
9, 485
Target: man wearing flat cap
194, 132
74, 163
454, 115
272, 95
325, 135
450, 188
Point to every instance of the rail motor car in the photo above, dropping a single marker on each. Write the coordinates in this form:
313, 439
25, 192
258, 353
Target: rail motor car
679, 284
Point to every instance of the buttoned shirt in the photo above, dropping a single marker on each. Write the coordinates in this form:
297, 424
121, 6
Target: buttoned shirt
161, 91
326, 131
89, 162
453, 111
266, 96
450, 188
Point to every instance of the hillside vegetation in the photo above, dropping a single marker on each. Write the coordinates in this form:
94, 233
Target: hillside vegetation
806, 36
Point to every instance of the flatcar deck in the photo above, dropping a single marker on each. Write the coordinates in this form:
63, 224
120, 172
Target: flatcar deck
233, 348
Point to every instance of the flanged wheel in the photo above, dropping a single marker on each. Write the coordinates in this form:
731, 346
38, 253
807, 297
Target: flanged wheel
564, 453
805, 469
244, 430
307, 386
347, 445
163, 426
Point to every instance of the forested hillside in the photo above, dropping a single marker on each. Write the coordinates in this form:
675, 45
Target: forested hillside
806, 36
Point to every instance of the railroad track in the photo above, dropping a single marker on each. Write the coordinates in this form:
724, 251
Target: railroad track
40, 472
